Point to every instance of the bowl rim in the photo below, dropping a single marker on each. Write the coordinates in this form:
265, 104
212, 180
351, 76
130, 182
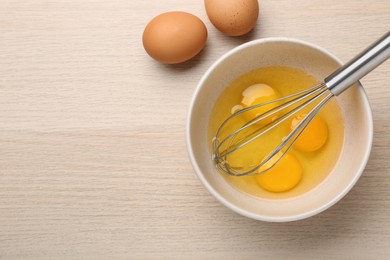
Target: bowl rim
226, 202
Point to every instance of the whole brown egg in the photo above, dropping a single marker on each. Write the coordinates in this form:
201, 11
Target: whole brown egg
233, 17
174, 37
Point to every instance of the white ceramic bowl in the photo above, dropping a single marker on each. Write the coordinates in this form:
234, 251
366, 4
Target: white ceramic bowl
284, 52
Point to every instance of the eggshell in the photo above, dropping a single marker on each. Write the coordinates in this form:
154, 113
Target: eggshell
233, 17
174, 37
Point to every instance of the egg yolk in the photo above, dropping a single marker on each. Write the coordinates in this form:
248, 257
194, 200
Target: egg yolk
313, 137
284, 176
257, 94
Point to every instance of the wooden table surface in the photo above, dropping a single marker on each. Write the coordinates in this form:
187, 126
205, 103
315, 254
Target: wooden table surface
93, 160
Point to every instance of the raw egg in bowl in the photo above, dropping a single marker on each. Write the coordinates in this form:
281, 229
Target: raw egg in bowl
323, 165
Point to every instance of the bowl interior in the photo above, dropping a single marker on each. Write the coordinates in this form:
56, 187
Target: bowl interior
315, 61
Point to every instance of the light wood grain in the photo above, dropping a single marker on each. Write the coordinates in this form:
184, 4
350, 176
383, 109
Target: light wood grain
93, 161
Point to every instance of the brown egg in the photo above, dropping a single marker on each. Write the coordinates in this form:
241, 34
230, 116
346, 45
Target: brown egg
174, 37
233, 17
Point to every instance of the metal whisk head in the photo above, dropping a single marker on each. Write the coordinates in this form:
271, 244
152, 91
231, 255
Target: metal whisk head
225, 145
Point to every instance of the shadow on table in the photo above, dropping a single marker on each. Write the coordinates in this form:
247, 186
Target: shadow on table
202, 56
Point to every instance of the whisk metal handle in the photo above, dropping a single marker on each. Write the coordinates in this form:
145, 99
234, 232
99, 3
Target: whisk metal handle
359, 66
